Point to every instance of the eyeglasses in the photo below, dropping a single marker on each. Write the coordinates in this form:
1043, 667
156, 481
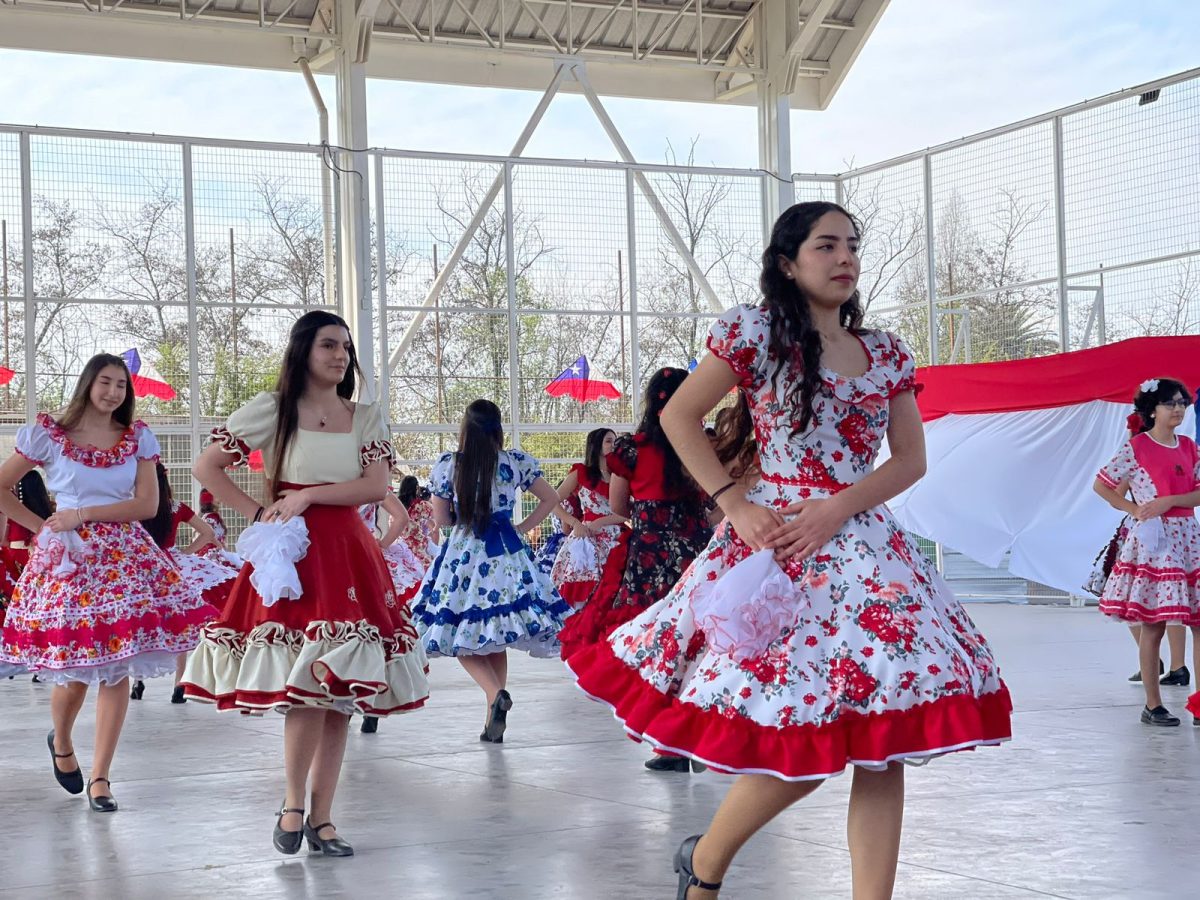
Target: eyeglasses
1175, 404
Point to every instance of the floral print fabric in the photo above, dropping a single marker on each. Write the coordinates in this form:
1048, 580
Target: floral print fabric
879, 661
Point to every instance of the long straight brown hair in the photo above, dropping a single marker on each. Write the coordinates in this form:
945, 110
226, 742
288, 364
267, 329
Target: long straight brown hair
73, 414
480, 438
293, 378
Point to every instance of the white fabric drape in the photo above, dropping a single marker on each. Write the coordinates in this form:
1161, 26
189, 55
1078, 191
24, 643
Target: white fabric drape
1020, 481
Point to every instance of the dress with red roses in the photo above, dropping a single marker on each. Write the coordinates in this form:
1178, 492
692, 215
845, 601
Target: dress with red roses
880, 662
669, 529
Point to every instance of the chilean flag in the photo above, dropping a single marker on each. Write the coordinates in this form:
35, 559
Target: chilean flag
575, 381
1013, 449
146, 381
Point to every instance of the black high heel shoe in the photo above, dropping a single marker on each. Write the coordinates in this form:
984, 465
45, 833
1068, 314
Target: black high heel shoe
101, 804
287, 841
683, 865
139, 688
72, 782
333, 847
500, 707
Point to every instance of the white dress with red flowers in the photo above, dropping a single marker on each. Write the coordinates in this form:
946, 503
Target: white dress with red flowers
101, 602
880, 662
1156, 575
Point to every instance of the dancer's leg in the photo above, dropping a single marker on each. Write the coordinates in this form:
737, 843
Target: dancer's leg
112, 700
480, 668
66, 700
1151, 644
1177, 645
873, 830
752, 802
327, 769
302, 731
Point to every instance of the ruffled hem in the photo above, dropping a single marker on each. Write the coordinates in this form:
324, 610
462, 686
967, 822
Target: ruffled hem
1132, 612
594, 623
148, 664
536, 636
737, 745
345, 666
201, 573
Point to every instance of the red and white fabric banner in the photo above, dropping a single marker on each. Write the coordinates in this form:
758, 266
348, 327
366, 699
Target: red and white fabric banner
1013, 449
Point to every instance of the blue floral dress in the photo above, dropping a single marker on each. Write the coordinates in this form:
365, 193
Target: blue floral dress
487, 594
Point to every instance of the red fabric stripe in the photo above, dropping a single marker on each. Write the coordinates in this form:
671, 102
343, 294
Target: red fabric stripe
794, 752
1111, 372
1135, 612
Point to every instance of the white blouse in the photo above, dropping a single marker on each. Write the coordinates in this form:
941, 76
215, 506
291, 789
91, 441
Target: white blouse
84, 475
314, 457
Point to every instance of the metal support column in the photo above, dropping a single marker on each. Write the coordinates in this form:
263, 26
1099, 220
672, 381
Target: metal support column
354, 226
510, 266
635, 356
384, 373
31, 404
1060, 228
774, 152
189, 261
930, 262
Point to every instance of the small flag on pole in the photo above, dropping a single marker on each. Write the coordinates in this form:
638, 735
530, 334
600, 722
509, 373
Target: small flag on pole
576, 382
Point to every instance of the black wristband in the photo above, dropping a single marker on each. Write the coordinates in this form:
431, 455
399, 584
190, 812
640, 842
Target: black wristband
717, 493
258, 515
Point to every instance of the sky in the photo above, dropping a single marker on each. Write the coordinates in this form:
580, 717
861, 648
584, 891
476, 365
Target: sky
932, 71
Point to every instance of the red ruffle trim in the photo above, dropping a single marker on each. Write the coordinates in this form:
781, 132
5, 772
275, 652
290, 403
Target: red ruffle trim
1193, 704
792, 752
1135, 612
95, 457
253, 702
1151, 573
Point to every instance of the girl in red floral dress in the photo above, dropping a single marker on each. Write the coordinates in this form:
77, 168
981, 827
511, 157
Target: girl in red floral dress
421, 533
867, 660
98, 601
587, 485
666, 512
17, 539
1155, 578
344, 645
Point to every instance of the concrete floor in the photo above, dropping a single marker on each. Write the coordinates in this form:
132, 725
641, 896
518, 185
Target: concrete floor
1084, 803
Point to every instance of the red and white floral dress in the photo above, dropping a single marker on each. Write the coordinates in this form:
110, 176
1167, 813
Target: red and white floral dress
345, 643
404, 567
211, 577
593, 505
219, 553
1156, 575
421, 535
102, 602
880, 662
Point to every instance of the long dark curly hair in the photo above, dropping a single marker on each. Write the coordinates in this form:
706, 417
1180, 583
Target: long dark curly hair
1145, 401
735, 439
659, 390
792, 330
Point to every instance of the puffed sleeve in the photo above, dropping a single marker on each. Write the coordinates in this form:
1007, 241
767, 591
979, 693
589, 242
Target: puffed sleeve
34, 442
1120, 468
741, 336
185, 513
526, 468
148, 448
441, 479
248, 428
623, 459
904, 377
375, 440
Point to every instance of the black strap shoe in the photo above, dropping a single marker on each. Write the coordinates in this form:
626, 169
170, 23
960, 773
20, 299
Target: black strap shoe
668, 764
287, 841
1136, 677
177, 695
101, 803
72, 782
1158, 716
499, 720
370, 724
334, 846
687, 876
1180, 677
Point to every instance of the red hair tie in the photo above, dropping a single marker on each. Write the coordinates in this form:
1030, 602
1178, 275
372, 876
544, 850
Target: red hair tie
1134, 423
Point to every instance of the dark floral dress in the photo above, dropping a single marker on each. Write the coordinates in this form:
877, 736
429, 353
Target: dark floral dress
669, 530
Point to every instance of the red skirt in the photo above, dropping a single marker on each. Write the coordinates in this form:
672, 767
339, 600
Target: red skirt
347, 643
12, 563
598, 617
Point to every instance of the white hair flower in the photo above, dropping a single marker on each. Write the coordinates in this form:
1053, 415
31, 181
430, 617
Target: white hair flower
1147, 387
